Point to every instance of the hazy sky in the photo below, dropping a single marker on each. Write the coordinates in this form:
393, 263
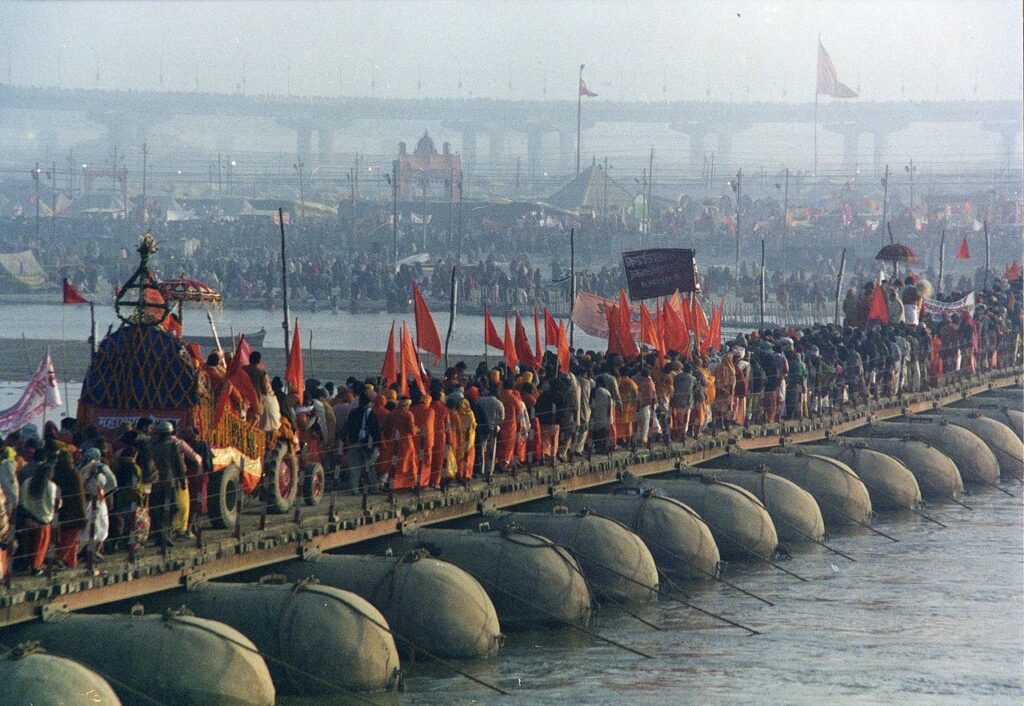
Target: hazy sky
764, 50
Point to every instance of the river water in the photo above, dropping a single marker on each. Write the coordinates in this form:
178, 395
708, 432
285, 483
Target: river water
936, 618
341, 331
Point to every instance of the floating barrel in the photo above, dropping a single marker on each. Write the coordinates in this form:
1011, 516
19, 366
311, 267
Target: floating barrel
973, 458
739, 522
415, 593
179, 659
351, 652
28, 675
616, 562
840, 494
794, 511
529, 578
936, 474
1006, 445
678, 539
890, 483
1012, 418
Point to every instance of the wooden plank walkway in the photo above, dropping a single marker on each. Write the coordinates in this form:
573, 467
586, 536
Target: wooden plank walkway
341, 521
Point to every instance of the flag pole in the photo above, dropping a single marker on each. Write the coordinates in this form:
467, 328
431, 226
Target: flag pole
839, 284
572, 283
816, 90
579, 117
92, 327
452, 311
284, 283
942, 260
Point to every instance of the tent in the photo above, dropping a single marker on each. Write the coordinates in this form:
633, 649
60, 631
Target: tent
20, 271
593, 190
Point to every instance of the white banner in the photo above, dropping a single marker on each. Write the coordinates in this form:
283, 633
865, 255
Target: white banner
41, 393
934, 306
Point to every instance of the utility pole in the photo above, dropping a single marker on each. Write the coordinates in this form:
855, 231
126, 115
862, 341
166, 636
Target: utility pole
518, 162
737, 186
604, 203
35, 178
355, 197
145, 153
650, 189
785, 210
423, 178
53, 186
885, 201
284, 283
394, 211
302, 192
451, 209
910, 170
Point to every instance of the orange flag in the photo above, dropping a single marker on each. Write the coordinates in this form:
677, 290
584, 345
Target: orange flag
659, 328
550, 329
427, 337
510, 347
715, 331
677, 334
648, 331
563, 348
411, 368
629, 349
1012, 271
611, 315
293, 373
538, 349
389, 371
491, 337
522, 343
878, 311
964, 251
699, 323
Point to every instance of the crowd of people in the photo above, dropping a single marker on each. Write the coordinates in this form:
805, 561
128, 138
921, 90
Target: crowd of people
80, 492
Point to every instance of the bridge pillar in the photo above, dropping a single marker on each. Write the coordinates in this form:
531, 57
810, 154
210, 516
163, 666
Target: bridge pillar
303, 142
325, 143
1007, 133
697, 134
567, 150
496, 148
881, 148
851, 144
127, 132
469, 147
724, 147
534, 145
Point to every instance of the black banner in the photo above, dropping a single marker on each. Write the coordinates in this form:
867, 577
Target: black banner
660, 272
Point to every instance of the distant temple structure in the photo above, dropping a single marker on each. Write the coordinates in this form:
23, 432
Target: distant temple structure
439, 174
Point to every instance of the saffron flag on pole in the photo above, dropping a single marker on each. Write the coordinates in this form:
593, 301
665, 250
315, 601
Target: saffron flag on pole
389, 370
538, 349
964, 251
563, 348
1012, 271
294, 375
828, 80
550, 329
72, 295
715, 330
509, 347
649, 332
411, 366
491, 337
522, 343
41, 394
427, 337
237, 377
584, 91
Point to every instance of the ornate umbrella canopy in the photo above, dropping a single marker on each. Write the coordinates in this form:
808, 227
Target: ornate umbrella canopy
185, 289
896, 252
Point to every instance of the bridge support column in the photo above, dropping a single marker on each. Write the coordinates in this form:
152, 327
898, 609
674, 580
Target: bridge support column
724, 148
469, 147
127, 132
1007, 133
325, 143
881, 147
303, 142
534, 145
567, 151
496, 149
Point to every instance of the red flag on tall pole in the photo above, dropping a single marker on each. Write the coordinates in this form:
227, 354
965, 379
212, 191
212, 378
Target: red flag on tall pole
293, 372
715, 330
584, 91
389, 371
964, 251
72, 295
522, 342
538, 349
677, 333
411, 366
509, 347
427, 337
491, 337
648, 331
629, 348
550, 329
611, 316
828, 80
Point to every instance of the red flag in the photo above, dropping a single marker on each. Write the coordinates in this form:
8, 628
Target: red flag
584, 91
522, 343
648, 331
491, 337
411, 367
389, 371
878, 311
427, 337
630, 350
611, 316
72, 295
509, 347
563, 348
538, 349
172, 325
1012, 271
293, 372
828, 79
964, 251
550, 329
677, 333
659, 328
237, 376
715, 330
699, 323
242, 351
